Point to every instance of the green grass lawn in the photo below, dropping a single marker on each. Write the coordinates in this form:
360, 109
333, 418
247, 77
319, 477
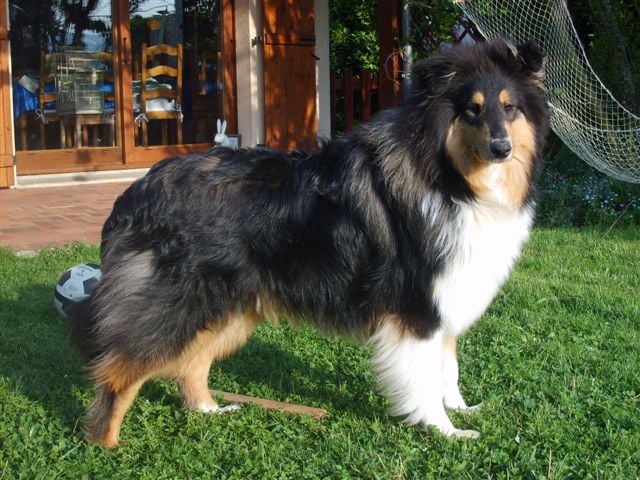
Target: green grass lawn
556, 360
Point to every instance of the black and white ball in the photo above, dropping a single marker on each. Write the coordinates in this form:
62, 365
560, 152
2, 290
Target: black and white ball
75, 285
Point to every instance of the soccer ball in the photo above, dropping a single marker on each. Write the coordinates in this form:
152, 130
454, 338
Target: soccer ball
75, 285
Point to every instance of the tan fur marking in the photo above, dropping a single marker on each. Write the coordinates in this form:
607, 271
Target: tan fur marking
505, 97
191, 368
194, 386
211, 345
517, 172
118, 373
508, 180
118, 380
449, 344
392, 325
462, 143
122, 402
478, 99
107, 412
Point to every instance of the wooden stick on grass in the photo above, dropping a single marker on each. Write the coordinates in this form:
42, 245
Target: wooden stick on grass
317, 413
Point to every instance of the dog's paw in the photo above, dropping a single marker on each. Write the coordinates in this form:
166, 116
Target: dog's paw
233, 407
464, 434
446, 428
213, 408
464, 409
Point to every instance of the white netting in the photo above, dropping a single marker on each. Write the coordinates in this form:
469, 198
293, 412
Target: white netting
584, 114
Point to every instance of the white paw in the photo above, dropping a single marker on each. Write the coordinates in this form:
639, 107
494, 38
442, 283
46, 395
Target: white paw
464, 434
444, 426
207, 408
465, 409
233, 407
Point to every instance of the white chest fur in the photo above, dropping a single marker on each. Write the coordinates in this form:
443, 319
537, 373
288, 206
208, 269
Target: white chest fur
484, 243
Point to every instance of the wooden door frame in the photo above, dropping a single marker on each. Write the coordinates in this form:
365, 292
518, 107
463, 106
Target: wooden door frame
6, 111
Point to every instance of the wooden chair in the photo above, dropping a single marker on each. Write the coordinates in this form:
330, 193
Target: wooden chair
155, 63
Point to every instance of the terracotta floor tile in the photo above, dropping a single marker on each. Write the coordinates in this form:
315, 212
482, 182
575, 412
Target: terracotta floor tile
35, 218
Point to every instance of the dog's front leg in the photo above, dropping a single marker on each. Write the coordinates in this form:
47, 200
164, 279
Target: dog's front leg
410, 372
451, 391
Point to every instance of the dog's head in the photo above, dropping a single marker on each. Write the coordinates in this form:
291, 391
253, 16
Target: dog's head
489, 99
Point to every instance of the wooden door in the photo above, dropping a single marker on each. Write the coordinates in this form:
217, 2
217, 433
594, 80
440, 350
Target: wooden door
290, 74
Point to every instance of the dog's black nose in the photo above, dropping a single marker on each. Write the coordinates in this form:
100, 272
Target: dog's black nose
500, 148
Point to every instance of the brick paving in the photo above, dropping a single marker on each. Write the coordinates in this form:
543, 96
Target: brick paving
36, 218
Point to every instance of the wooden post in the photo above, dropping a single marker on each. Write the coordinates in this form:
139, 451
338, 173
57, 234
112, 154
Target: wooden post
348, 99
332, 88
389, 63
365, 94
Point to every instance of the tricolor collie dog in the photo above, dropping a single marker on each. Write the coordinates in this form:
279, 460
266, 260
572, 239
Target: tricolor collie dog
401, 232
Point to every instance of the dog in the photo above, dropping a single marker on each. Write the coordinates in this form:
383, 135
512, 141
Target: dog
401, 232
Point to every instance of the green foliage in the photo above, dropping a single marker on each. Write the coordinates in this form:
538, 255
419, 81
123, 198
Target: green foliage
354, 38
574, 194
432, 25
353, 34
554, 359
608, 30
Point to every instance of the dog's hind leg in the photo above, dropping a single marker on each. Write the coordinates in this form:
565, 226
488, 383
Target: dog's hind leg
118, 381
191, 370
451, 391
410, 372
193, 384
105, 415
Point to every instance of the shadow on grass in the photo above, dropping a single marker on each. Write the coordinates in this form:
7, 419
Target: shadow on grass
36, 356
38, 360
262, 366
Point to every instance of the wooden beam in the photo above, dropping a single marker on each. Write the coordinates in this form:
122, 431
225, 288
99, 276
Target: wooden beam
317, 413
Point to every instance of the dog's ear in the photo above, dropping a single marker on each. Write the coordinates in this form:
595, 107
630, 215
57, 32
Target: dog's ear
430, 77
532, 58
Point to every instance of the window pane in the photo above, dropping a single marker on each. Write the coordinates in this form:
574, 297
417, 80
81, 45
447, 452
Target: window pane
63, 74
176, 107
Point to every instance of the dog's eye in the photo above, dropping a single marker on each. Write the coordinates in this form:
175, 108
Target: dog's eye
473, 110
509, 108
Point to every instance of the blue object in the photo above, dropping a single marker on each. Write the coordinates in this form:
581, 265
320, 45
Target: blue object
23, 100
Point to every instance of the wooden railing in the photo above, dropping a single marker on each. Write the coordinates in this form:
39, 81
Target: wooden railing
354, 98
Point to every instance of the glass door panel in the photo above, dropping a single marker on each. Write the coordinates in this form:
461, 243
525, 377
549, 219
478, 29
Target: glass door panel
176, 48
63, 75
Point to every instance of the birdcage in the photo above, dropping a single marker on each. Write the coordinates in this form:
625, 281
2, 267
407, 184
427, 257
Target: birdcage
79, 83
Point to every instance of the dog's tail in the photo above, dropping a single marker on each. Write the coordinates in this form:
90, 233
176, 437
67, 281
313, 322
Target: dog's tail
81, 328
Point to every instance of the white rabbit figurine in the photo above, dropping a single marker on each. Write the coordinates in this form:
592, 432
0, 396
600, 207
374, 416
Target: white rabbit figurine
221, 139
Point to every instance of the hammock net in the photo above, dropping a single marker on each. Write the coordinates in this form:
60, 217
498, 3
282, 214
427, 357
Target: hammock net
584, 113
